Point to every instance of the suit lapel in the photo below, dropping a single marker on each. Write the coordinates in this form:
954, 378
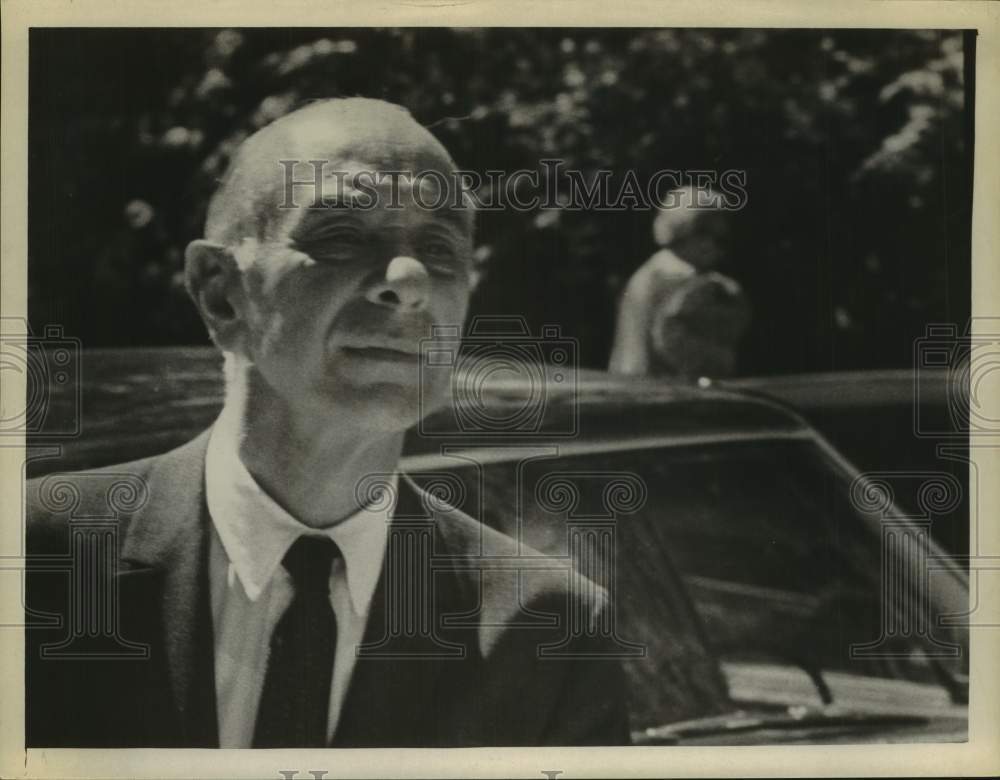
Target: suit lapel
399, 684
169, 534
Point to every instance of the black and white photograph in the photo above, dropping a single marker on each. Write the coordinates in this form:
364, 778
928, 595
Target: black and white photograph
445, 386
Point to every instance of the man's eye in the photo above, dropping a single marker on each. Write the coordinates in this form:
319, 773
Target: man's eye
344, 237
438, 249
336, 245
440, 257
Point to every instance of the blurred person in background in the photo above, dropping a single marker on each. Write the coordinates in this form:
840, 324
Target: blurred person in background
678, 316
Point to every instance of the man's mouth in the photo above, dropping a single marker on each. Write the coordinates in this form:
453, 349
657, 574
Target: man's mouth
391, 354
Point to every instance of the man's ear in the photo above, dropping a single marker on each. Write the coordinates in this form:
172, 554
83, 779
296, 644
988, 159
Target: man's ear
212, 280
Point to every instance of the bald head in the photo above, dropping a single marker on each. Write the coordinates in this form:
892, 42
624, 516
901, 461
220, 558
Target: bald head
342, 133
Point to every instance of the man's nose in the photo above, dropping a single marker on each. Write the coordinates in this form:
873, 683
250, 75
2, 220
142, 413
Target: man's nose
406, 284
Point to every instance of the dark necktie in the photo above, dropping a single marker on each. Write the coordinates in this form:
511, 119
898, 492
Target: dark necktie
295, 700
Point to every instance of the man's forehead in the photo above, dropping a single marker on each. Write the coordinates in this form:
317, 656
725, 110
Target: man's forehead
328, 143
401, 155
350, 177
379, 134
356, 186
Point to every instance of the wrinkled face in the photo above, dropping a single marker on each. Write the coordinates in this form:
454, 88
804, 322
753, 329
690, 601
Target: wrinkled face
339, 299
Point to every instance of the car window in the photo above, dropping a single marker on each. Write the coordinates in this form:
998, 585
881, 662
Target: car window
677, 677
758, 538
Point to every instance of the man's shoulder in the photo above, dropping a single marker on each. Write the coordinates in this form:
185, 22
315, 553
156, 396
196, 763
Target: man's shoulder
115, 491
481, 546
512, 580
50, 500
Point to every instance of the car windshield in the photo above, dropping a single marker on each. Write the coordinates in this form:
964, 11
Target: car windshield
746, 572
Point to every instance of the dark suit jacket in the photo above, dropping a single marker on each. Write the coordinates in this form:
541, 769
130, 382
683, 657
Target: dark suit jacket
135, 667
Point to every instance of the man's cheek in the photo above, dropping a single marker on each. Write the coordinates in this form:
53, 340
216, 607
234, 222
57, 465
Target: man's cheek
451, 305
275, 269
271, 332
437, 394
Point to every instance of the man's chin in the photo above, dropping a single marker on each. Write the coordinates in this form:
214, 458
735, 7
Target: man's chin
377, 406
379, 387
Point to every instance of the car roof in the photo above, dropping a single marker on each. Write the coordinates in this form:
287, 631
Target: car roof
596, 407
851, 389
137, 403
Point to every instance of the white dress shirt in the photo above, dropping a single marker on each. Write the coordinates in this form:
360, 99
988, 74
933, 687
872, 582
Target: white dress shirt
250, 589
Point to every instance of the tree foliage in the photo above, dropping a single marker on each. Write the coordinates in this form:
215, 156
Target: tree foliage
855, 144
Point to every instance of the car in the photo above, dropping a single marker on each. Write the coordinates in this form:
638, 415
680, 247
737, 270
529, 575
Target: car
763, 591
889, 420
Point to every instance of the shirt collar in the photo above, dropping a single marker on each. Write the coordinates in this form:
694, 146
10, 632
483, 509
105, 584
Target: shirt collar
256, 532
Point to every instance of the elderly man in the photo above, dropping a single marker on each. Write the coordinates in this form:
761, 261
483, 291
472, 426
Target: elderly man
259, 588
